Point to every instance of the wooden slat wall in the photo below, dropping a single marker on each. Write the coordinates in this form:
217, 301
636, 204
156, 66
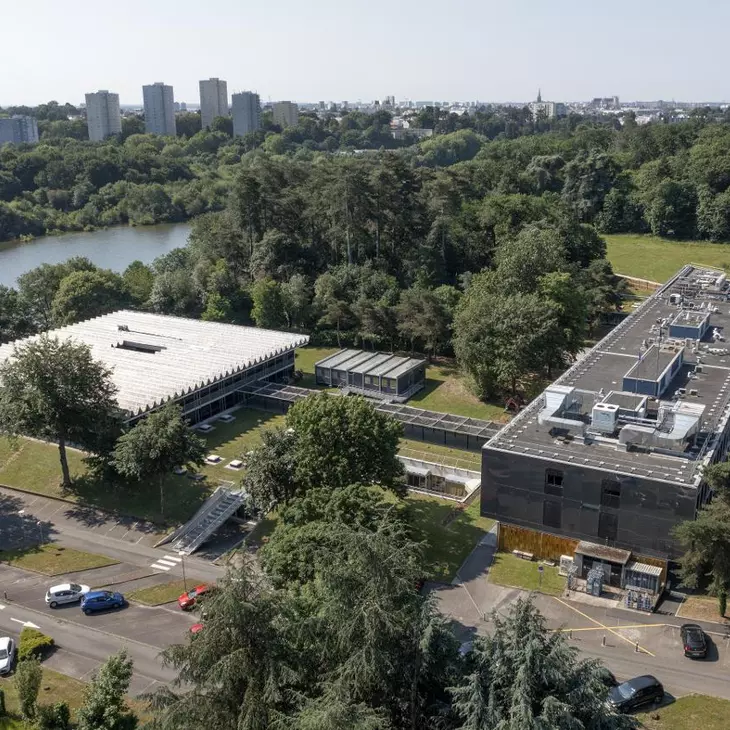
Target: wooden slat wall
541, 544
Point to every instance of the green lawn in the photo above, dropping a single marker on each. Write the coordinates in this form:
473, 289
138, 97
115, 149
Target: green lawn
163, 593
55, 687
650, 257
441, 454
509, 570
449, 532
693, 712
52, 559
305, 359
447, 392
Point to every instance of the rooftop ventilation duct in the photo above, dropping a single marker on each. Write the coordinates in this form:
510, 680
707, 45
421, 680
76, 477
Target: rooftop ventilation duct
562, 409
677, 425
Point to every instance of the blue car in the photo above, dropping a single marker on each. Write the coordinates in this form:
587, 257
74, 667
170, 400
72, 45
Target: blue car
101, 601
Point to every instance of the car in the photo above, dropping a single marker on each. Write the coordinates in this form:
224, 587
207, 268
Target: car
7, 654
196, 628
65, 593
607, 677
637, 692
190, 598
101, 601
693, 641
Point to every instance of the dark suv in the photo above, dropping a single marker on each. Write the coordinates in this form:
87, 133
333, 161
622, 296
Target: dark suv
693, 641
637, 692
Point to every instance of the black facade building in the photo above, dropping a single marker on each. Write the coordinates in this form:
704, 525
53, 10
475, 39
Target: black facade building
613, 452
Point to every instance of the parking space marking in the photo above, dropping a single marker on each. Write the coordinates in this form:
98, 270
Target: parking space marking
603, 626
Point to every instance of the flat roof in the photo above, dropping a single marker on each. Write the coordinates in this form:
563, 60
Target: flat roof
182, 355
376, 364
602, 370
653, 363
603, 552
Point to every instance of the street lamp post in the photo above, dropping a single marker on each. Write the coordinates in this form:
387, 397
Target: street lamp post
40, 528
182, 562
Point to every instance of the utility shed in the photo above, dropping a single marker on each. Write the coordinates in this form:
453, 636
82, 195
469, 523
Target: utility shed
377, 374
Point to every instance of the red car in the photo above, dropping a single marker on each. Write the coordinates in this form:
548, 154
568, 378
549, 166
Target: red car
195, 628
188, 600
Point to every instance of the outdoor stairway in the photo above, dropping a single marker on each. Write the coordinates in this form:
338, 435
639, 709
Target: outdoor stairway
221, 505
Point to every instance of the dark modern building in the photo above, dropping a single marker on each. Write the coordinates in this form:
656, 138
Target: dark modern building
610, 458
373, 373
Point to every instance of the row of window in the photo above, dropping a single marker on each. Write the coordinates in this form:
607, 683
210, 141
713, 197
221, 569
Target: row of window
610, 488
552, 516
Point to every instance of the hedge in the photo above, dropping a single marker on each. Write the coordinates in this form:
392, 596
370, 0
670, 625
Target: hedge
33, 643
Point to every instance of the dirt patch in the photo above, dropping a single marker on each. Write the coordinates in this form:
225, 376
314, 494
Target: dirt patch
702, 608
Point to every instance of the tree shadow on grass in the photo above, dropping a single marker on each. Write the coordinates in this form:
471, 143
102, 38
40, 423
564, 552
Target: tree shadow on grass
447, 531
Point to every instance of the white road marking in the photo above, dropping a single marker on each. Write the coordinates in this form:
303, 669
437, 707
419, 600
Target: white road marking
169, 563
25, 623
156, 566
2, 608
173, 558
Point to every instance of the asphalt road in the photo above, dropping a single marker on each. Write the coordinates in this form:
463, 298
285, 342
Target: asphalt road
472, 598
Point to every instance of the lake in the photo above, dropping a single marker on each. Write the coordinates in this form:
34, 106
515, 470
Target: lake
112, 248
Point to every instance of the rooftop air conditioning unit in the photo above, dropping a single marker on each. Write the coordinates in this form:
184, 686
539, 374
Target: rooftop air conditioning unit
605, 417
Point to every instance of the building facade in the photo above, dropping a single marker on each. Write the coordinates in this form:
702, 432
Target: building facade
286, 114
18, 129
159, 109
102, 115
213, 100
246, 111
546, 109
612, 454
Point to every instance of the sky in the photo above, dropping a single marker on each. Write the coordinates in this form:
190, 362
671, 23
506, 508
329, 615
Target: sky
332, 50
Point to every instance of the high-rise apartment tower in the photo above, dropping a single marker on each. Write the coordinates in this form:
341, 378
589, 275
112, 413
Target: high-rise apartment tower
213, 100
102, 115
159, 109
246, 108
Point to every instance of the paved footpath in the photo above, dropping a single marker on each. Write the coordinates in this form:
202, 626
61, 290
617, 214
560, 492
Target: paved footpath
610, 634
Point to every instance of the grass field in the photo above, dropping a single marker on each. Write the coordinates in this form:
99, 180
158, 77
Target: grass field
157, 595
649, 257
440, 454
694, 712
52, 559
304, 361
449, 533
509, 570
55, 687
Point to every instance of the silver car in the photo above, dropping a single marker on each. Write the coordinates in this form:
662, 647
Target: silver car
65, 593
7, 654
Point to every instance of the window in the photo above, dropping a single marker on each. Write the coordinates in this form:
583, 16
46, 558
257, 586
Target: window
552, 514
554, 482
607, 526
611, 493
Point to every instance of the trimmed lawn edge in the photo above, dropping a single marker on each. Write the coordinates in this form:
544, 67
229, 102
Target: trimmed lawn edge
177, 585
106, 562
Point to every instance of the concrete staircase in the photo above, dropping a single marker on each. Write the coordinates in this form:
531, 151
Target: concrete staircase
221, 505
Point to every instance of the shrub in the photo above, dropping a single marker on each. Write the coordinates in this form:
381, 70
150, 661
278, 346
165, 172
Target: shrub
2, 702
33, 643
28, 676
53, 717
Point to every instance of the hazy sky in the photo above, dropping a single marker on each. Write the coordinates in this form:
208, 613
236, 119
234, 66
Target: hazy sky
307, 50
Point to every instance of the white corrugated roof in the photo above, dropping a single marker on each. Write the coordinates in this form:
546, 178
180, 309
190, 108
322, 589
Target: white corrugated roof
195, 353
638, 567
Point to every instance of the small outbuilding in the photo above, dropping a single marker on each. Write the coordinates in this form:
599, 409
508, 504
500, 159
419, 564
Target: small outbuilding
376, 374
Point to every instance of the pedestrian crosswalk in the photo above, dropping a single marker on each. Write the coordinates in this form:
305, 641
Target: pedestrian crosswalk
166, 563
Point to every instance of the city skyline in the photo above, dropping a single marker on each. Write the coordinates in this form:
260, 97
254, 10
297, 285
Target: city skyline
478, 50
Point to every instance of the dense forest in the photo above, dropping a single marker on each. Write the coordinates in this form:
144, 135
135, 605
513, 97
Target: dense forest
486, 247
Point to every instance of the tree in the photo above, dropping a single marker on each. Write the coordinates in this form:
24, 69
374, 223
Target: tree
524, 677
297, 299
588, 179
223, 124
268, 304
104, 706
270, 466
86, 294
138, 281
423, 317
28, 677
156, 445
15, 321
706, 540
340, 441
54, 390
217, 308
53, 717
671, 209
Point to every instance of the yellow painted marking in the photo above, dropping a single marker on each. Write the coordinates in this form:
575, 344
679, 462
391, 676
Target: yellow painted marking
603, 626
618, 628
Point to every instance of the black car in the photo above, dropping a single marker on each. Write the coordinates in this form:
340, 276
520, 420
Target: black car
635, 693
694, 641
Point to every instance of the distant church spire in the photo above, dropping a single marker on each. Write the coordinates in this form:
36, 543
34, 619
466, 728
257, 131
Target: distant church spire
539, 96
